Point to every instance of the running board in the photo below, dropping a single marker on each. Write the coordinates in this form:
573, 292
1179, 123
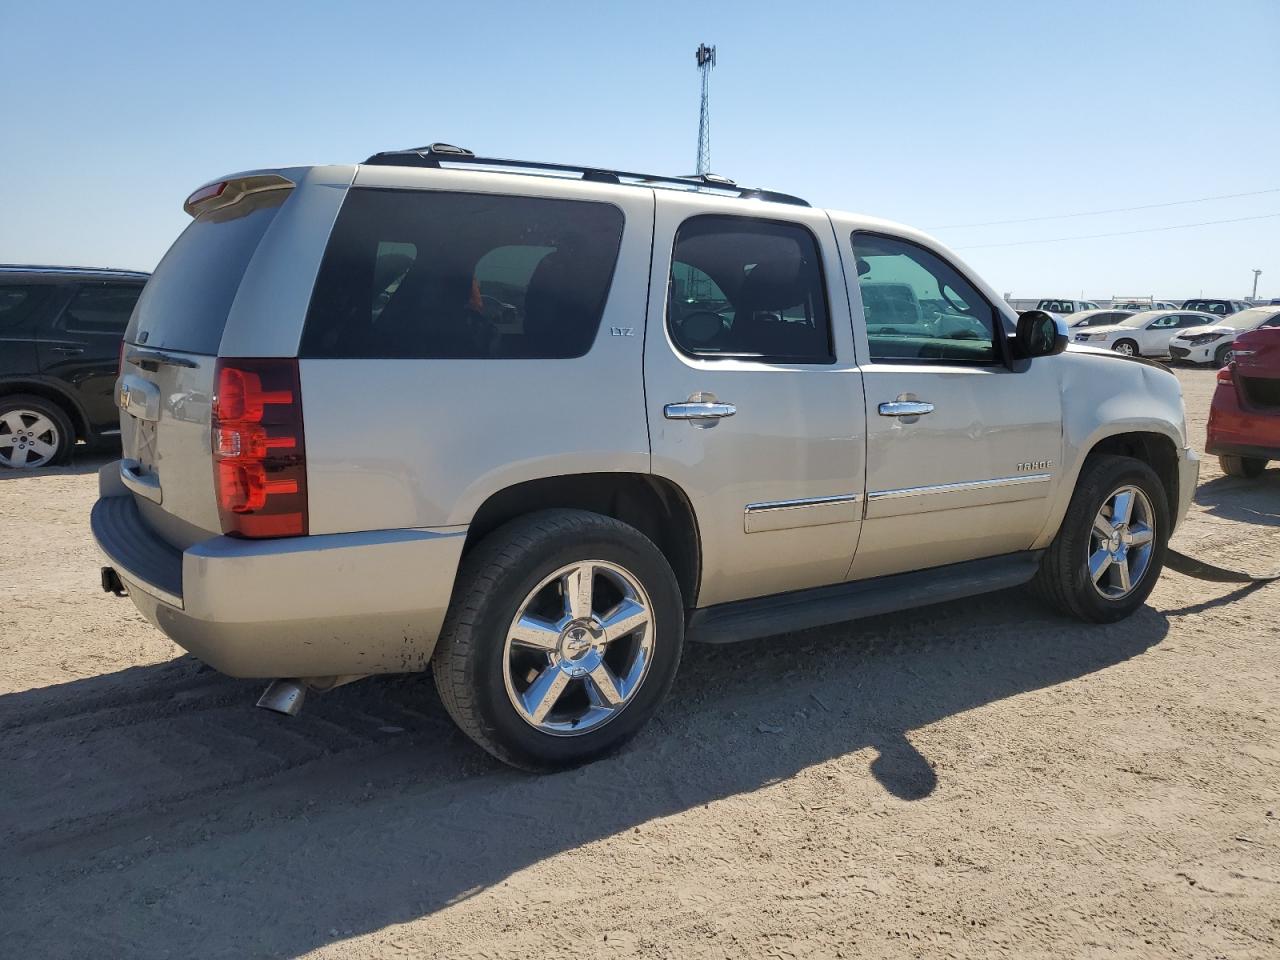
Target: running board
819, 607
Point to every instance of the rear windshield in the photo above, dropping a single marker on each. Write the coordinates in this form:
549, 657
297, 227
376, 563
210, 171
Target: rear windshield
429, 274
185, 303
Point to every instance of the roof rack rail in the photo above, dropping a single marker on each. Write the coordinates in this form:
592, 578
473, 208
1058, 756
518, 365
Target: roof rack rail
438, 154
57, 269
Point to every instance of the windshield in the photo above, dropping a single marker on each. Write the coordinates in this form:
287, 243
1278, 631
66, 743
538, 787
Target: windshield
1220, 307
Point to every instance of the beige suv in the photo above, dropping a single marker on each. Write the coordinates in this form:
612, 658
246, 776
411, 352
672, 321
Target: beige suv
535, 425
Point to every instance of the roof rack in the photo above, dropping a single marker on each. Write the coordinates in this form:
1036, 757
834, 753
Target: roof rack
36, 268
439, 154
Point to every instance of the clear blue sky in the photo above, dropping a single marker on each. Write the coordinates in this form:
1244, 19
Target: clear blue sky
932, 113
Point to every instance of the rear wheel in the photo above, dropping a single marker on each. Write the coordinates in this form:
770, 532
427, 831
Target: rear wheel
1126, 347
33, 433
562, 639
1110, 549
1249, 467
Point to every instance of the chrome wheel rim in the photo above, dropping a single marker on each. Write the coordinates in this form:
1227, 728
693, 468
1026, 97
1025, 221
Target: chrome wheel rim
1121, 543
27, 439
579, 648
1124, 348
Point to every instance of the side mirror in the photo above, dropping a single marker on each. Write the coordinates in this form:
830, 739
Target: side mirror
1039, 335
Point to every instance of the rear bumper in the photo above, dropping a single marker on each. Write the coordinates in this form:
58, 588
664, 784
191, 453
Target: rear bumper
320, 606
1240, 431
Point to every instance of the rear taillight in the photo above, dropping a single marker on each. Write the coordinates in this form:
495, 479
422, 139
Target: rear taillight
1224, 375
259, 457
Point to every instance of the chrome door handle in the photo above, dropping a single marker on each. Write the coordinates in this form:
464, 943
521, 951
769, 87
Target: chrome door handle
905, 408
698, 410
72, 351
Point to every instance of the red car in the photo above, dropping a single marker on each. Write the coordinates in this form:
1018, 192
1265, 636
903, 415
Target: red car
1244, 420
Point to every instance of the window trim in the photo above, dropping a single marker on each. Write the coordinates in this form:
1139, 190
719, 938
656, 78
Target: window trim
1000, 338
831, 358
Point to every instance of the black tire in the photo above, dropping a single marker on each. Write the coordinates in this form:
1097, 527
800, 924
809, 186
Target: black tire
1063, 579
1222, 356
62, 436
1248, 467
469, 665
1132, 346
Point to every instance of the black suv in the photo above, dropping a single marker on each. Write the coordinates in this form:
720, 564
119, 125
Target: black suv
60, 334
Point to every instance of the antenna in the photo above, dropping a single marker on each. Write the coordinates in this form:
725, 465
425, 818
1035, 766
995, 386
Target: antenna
706, 61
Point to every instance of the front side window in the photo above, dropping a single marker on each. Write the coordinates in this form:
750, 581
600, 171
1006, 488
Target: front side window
433, 275
918, 307
101, 308
1163, 323
749, 289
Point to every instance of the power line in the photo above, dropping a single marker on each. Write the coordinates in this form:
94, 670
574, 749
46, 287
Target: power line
1098, 213
1120, 233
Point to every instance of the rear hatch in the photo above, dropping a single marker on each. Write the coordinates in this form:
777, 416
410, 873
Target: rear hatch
171, 347
1257, 359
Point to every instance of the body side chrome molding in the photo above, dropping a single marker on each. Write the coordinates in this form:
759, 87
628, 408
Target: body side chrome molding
961, 487
804, 512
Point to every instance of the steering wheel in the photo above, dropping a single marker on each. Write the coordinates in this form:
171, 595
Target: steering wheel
701, 326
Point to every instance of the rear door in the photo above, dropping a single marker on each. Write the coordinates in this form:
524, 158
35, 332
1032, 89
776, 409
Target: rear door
24, 304
753, 394
81, 347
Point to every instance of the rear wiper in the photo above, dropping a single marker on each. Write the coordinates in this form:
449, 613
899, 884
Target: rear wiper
154, 358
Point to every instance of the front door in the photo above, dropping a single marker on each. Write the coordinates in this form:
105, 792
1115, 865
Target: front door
754, 398
963, 452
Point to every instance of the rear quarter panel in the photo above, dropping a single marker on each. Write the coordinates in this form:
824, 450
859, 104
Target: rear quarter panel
423, 443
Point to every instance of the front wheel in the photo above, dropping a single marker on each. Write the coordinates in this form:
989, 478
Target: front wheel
1109, 551
1223, 355
1248, 467
1126, 348
562, 639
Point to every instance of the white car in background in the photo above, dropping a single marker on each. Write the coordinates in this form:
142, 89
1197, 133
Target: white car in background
1097, 318
1212, 344
1146, 334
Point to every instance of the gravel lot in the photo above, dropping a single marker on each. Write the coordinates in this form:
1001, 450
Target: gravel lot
972, 779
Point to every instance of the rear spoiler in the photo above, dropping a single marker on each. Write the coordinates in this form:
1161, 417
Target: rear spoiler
231, 190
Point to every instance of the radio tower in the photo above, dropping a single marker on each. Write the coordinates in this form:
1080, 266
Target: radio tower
706, 60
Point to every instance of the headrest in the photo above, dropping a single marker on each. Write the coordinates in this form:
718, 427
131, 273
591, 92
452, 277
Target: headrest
776, 284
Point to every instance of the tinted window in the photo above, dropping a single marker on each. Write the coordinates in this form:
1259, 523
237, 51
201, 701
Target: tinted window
1191, 320
464, 275
1217, 307
20, 302
186, 301
748, 288
918, 307
100, 308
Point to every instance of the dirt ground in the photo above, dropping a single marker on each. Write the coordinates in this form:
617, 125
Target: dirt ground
975, 779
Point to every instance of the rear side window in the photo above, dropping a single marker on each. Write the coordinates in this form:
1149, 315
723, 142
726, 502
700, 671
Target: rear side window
20, 302
185, 304
748, 288
434, 275
100, 308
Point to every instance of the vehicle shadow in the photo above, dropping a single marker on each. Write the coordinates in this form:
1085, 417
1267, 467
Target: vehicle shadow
154, 812
86, 460
1255, 501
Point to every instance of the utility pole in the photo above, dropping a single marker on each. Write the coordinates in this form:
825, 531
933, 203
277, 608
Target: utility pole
706, 61
1256, 274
